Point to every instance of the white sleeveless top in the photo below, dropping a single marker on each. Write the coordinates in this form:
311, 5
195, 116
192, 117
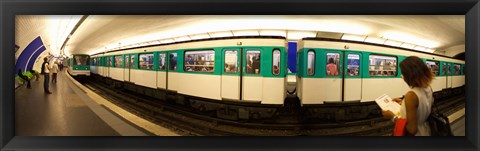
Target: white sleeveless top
425, 102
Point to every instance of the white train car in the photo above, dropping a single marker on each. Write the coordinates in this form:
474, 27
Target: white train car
363, 71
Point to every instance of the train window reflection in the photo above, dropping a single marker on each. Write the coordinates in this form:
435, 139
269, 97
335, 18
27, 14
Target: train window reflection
253, 62
434, 66
94, 61
127, 61
109, 61
382, 65
81, 60
132, 61
333, 61
276, 62
456, 69
161, 61
353, 64
231, 61
200, 61
118, 61
173, 61
449, 71
311, 62
444, 68
146, 61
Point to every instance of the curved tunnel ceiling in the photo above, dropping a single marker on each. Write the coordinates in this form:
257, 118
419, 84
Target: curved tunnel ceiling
104, 32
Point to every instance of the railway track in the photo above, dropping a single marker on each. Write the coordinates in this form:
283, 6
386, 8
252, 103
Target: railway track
189, 122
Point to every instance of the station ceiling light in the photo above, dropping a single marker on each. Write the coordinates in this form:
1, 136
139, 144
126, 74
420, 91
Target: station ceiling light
246, 33
410, 39
353, 37
166, 41
297, 35
407, 45
221, 34
375, 40
419, 48
393, 43
267, 32
199, 36
180, 39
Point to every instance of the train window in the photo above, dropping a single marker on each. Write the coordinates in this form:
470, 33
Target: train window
434, 66
456, 69
253, 62
161, 61
463, 70
333, 61
382, 65
311, 62
118, 61
231, 61
132, 61
444, 68
109, 61
353, 64
81, 60
173, 61
145, 61
449, 71
200, 61
127, 62
276, 62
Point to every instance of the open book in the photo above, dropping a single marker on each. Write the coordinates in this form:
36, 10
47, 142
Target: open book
386, 103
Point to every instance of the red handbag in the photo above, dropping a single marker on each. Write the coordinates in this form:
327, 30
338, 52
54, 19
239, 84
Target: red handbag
400, 127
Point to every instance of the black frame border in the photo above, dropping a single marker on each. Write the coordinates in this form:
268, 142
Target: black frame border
469, 8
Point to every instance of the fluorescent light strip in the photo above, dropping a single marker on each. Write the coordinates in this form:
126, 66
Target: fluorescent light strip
353, 37
246, 33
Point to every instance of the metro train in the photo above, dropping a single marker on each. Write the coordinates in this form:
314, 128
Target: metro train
362, 72
79, 64
241, 78
236, 78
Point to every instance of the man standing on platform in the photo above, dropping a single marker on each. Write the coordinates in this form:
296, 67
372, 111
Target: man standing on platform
54, 72
46, 75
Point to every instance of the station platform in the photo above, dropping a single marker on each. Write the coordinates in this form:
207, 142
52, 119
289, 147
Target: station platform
457, 122
72, 111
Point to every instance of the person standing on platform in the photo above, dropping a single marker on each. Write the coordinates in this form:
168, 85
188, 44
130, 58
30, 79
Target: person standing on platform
418, 101
54, 72
60, 65
46, 74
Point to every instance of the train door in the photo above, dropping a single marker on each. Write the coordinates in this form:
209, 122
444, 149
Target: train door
352, 82
251, 76
230, 87
332, 62
126, 71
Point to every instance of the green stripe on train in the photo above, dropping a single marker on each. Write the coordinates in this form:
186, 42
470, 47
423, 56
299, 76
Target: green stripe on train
265, 58
319, 68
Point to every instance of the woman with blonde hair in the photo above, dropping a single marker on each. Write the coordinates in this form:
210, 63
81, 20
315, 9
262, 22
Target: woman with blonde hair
418, 101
